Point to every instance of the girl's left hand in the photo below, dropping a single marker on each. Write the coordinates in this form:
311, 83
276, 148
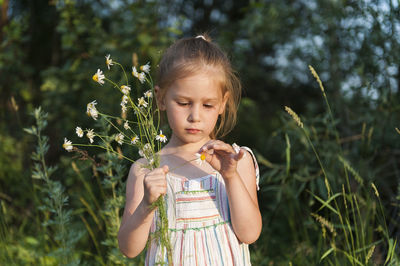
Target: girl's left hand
222, 157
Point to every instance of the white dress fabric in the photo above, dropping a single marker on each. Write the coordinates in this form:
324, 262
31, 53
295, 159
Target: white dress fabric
199, 223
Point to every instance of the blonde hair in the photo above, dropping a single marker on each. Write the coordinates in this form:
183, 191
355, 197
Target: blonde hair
186, 57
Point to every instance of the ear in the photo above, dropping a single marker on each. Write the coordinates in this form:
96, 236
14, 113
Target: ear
224, 100
160, 100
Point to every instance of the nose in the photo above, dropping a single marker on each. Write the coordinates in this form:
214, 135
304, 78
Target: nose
194, 115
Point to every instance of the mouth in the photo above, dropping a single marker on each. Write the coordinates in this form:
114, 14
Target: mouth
192, 130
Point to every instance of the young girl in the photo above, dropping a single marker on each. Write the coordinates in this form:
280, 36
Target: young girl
211, 205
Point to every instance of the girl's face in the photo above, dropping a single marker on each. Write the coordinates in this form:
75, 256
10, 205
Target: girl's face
193, 105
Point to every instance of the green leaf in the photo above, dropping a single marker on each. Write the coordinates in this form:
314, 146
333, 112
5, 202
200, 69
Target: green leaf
329, 251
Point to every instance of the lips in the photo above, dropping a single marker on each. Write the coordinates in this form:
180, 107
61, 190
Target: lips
192, 130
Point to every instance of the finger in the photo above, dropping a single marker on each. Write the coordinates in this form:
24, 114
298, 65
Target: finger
240, 154
165, 168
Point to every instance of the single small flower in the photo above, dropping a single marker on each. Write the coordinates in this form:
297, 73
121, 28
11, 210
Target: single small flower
151, 161
134, 140
146, 68
119, 138
91, 110
125, 89
134, 72
109, 61
148, 94
90, 135
124, 99
99, 77
142, 77
67, 145
142, 102
201, 157
141, 153
79, 132
161, 137
147, 147
123, 108
126, 125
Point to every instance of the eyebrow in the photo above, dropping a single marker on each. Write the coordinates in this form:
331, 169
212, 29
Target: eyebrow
188, 98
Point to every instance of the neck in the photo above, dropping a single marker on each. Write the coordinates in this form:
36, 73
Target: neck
175, 146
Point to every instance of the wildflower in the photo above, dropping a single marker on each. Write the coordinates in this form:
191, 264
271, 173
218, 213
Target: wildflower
148, 94
124, 108
151, 161
79, 132
294, 116
99, 77
109, 61
146, 68
125, 89
124, 99
126, 125
141, 153
161, 137
90, 135
134, 139
119, 138
147, 147
134, 72
142, 77
91, 110
201, 157
67, 145
142, 102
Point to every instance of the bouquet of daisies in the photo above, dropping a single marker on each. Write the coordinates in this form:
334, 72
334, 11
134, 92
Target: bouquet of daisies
142, 131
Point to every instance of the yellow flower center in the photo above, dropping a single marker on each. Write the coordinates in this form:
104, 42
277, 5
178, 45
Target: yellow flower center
95, 78
203, 156
162, 136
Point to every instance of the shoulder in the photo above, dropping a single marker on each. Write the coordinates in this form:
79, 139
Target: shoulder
248, 166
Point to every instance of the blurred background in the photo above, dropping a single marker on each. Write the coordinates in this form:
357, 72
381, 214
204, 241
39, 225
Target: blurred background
49, 51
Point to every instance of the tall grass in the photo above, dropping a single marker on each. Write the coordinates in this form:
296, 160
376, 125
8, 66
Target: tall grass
352, 220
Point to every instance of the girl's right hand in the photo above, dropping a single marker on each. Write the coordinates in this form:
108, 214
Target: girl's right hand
155, 184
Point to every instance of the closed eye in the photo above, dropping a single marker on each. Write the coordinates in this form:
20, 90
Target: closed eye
208, 105
183, 103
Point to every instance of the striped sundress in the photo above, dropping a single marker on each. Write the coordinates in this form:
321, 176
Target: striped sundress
199, 223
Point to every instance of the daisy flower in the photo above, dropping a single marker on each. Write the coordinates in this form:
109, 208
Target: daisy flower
91, 110
123, 108
201, 157
109, 61
148, 94
126, 125
147, 147
134, 72
142, 77
141, 153
67, 145
90, 135
142, 102
161, 137
134, 140
119, 138
125, 89
146, 68
99, 77
79, 132
124, 99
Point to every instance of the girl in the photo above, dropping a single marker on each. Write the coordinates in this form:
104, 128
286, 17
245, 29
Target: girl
212, 206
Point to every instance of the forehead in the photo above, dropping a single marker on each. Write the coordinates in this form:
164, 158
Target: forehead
203, 84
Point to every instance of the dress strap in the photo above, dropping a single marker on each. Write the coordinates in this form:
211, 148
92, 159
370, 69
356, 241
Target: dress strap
237, 149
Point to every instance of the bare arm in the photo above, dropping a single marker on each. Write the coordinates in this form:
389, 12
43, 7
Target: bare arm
142, 189
240, 181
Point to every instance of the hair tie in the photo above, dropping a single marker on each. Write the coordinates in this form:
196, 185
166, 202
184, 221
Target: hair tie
201, 36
